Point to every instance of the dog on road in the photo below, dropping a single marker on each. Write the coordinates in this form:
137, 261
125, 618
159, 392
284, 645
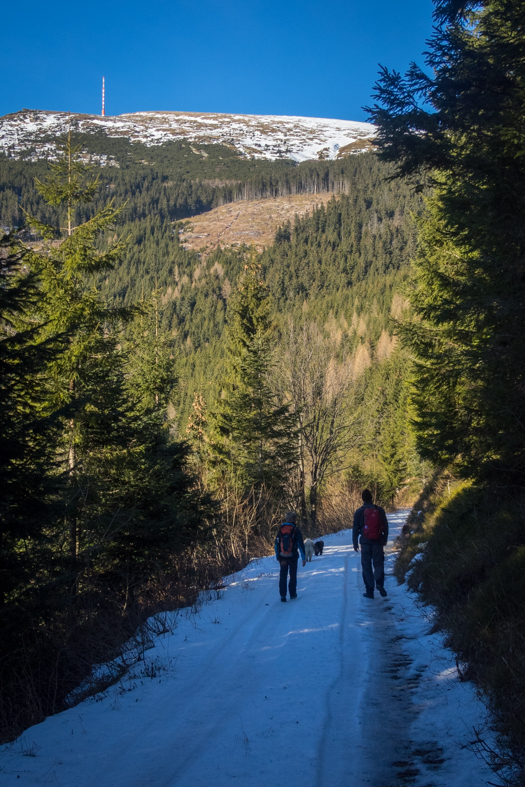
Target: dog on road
309, 549
318, 547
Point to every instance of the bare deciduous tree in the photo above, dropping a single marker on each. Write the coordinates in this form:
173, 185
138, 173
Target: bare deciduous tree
316, 374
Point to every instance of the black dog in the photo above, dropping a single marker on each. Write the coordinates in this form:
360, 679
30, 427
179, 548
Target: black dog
318, 546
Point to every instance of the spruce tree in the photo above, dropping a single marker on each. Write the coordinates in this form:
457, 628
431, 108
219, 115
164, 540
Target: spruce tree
150, 350
460, 130
28, 426
393, 433
253, 433
67, 263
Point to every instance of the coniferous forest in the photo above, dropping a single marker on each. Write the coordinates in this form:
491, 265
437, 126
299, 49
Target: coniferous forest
161, 408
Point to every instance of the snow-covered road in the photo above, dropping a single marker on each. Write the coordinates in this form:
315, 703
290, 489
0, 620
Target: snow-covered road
331, 689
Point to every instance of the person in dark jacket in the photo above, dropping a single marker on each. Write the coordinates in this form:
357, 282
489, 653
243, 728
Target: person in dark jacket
372, 549
289, 563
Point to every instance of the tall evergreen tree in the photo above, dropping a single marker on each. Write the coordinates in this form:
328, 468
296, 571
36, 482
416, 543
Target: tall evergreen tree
150, 365
128, 498
393, 433
28, 427
253, 431
83, 376
461, 131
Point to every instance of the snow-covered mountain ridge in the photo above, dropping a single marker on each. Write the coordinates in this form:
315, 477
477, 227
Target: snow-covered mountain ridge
29, 133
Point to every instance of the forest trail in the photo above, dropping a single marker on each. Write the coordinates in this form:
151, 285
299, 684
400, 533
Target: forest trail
331, 689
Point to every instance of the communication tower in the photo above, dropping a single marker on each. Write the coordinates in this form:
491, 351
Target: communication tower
103, 96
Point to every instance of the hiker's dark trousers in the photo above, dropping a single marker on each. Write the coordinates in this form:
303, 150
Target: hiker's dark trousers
288, 563
373, 565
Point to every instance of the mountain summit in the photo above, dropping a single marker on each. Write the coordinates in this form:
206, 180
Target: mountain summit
31, 132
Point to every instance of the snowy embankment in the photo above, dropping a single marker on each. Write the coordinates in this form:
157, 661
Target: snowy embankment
331, 689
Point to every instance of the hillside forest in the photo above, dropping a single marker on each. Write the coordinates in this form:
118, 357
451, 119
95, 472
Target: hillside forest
161, 407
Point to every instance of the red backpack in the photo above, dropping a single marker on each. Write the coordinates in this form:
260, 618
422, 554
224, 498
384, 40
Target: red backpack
373, 527
286, 540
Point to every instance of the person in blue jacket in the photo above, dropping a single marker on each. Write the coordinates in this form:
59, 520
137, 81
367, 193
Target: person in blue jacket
288, 543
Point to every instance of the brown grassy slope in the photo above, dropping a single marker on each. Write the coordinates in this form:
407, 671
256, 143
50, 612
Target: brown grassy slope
251, 222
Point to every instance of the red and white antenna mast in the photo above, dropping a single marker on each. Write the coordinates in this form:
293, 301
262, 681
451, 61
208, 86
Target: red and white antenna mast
103, 96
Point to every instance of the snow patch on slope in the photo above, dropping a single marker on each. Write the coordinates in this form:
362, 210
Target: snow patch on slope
26, 133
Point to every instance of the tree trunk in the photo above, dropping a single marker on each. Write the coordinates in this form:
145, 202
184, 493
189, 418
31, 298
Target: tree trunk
72, 517
313, 506
302, 486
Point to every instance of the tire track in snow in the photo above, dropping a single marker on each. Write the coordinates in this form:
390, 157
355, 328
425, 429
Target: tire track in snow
366, 732
227, 677
188, 703
330, 749
387, 711
272, 631
337, 760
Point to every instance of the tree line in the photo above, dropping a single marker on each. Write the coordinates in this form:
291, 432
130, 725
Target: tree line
172, 181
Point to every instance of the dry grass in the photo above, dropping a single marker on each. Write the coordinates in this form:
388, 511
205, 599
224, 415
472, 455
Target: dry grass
248, 222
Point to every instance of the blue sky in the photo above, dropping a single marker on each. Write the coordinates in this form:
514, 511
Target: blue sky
281, 57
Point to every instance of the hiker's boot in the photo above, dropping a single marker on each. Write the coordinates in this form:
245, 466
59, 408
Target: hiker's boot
283, 598
368, 595
382, 591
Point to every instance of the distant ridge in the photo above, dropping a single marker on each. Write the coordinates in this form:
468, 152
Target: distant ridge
29, 133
